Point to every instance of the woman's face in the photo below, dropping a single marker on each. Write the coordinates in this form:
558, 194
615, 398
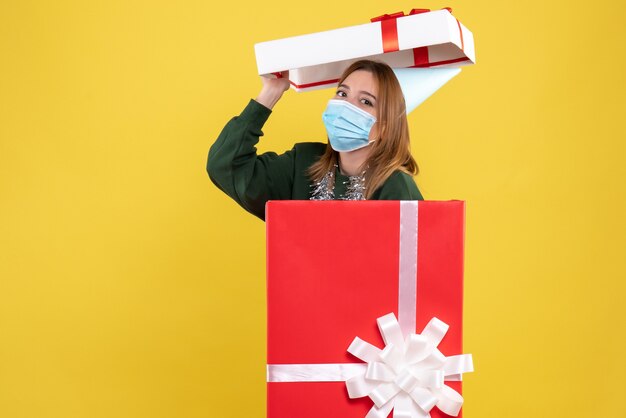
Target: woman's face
361, 89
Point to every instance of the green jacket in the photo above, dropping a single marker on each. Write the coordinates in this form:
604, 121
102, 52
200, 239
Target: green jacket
251, 179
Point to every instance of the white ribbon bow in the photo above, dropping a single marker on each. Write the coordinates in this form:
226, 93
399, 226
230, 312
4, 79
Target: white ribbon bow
408, 375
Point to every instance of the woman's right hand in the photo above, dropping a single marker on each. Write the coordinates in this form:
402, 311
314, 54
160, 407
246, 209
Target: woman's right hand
273, 89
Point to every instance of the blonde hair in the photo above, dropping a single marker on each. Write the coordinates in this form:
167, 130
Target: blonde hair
391, 151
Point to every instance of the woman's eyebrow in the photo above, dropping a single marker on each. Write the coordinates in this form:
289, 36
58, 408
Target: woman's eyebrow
345, 86
368, 93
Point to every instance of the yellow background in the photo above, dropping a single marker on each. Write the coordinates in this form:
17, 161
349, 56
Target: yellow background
131, 287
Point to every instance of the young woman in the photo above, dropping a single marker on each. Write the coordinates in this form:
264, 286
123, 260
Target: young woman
368, 154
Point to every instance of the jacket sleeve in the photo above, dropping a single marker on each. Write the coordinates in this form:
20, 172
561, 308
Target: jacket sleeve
234, 166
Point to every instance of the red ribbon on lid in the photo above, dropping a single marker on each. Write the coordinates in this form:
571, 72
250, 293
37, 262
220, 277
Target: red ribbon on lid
388, 16
390, 29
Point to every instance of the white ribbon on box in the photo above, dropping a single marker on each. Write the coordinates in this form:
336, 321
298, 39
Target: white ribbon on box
408, 375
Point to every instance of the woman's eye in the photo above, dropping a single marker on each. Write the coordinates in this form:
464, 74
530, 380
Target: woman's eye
366, 102
341, 93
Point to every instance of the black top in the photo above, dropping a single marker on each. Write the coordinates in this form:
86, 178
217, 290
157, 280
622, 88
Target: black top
251, 179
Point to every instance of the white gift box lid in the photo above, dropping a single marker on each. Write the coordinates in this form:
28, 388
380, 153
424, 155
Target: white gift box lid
422, 39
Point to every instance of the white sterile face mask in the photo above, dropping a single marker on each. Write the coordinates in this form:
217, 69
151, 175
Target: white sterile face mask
348, 127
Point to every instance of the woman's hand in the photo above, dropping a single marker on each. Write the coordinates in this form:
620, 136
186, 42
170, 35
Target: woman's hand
273, 89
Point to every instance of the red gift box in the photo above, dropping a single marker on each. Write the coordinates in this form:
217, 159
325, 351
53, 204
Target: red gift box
333, 268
